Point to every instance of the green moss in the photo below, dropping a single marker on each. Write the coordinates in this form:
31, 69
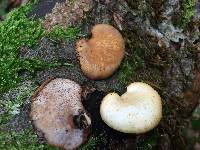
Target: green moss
12, 107
196, 124
92, 143
130, 64
150, 142
16, 31
26, 140
60, 33
187, 12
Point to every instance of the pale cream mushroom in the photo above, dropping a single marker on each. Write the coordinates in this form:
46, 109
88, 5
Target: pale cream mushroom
136, 111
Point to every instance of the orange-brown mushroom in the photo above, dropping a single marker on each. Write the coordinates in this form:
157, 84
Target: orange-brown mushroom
101, 55
58, 113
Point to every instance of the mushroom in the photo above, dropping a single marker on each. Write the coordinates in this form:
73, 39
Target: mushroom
101, 55
136, 111
58, 113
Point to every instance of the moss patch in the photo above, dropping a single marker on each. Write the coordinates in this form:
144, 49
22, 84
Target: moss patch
130, 64
25, 140
60, 33
187, 12
92, 142
150, 142
16, 31
11, 107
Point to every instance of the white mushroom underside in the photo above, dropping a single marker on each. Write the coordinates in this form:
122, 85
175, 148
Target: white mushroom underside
52, 111
136, 111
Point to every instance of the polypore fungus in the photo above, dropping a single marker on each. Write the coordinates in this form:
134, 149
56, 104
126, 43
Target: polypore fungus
136, 111
58, 113
101, 55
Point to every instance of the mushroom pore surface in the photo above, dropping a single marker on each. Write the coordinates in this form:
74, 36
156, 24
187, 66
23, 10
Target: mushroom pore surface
58, 113
101, 55
136, 111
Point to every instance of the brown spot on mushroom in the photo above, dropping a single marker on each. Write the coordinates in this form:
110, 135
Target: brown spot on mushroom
57, 112
101, 55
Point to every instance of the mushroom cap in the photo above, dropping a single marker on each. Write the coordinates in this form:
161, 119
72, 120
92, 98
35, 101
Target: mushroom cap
136, 111
101, 55
58, 113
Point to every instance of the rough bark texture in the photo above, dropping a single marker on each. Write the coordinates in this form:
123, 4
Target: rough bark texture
171, 65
